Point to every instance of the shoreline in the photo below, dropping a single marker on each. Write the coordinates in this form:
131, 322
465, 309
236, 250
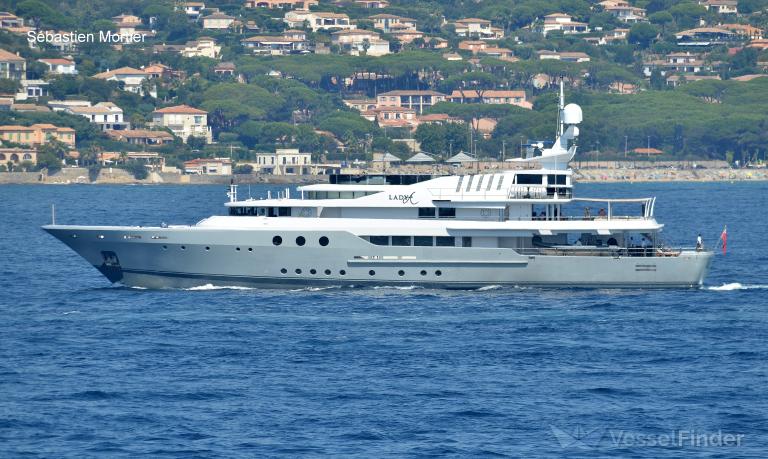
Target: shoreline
79, 176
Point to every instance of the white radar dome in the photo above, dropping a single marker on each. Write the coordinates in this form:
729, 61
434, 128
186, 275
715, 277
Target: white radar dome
572, 114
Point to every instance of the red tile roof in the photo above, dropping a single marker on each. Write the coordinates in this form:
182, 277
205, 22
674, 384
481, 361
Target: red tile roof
181, 109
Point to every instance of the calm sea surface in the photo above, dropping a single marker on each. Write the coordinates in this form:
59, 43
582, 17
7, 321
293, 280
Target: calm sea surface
91, 370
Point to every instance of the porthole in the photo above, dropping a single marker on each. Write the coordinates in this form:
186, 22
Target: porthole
300, 241
343, 273
277, 240
165, 247
401, 273
298, 271
327, 272
313, 271
371, 273
207, 248
423, 272
324, 241
183, 247
237, 248
284, 271
250, 249
438, 273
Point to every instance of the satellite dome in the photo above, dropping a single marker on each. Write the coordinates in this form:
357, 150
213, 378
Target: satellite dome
572, 114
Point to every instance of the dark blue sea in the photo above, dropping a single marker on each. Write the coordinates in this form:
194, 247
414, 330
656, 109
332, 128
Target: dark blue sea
92, 370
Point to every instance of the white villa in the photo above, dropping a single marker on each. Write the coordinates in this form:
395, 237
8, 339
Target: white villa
184, 121
106, 115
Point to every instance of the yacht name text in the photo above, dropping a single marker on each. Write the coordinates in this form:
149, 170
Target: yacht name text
103, 36
404, 198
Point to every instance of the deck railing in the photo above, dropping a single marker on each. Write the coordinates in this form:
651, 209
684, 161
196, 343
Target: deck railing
594, 251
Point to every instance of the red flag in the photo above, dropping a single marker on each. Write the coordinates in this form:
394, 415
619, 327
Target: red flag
724, 238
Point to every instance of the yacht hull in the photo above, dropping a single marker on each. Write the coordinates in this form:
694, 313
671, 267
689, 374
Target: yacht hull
184, 257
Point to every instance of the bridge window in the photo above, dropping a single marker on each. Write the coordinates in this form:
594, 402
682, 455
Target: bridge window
466, 241
556, 179
529, 179
401, 240
445, 241
423, 241
446, 212
426, 212
379, 240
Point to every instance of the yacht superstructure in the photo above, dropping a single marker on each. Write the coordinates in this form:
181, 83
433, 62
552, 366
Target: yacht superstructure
514, 227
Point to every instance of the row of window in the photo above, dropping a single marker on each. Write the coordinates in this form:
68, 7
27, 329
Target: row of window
338, 194
442, 212
248, 211
277, 240
300, 241
343, 272
419, 241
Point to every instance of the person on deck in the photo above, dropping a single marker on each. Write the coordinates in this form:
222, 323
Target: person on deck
699, 243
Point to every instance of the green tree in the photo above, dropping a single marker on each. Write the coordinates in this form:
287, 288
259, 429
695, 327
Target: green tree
8, 86
137, 168
657, 81
47, 159
661, 19
687, 14
642, 34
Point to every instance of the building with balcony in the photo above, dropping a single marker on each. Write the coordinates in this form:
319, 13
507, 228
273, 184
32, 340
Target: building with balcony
218, 21
295, 4
385, 22
126, 25
59, 66
193, 10
130, 79
276, 45
477, 28
410, 98
626, 13
141, 137
184, 121
565, 56
394, 117
32, 89
106, 115
284, 161
561, 22
318, 20
705, 36
721, 6
12, 66
37, 134
490, 96
208, 166
360, 42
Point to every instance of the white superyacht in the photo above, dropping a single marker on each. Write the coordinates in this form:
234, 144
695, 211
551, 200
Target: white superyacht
513, 228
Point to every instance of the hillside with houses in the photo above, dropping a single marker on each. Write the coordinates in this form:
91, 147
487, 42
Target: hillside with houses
295, 87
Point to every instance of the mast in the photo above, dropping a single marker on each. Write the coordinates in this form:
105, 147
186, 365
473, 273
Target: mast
560, 108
